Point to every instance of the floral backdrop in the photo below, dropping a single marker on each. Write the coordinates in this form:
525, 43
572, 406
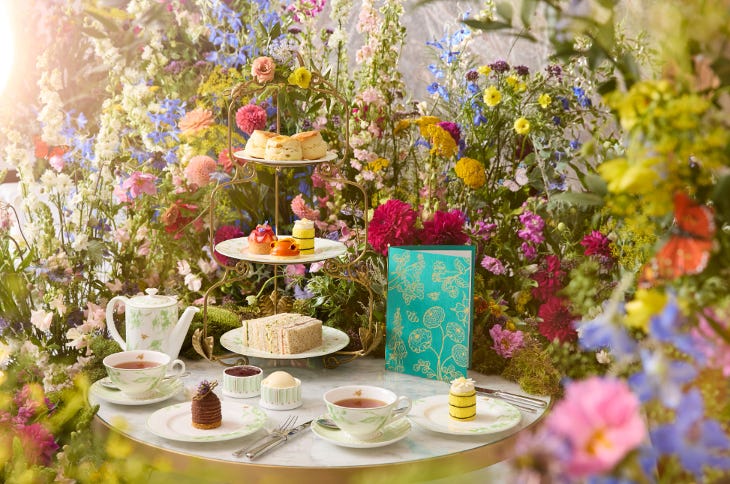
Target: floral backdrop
593, 189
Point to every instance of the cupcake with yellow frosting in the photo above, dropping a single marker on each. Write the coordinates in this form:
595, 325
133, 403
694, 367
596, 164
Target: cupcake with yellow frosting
462, 399
303, 233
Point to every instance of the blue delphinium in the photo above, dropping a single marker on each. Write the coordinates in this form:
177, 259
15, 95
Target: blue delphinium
661, 378
580, 94
696, 441
605, 332
171, 110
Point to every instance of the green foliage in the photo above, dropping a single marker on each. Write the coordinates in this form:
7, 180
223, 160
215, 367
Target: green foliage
220, 321
101, 346
534, 370
573, 363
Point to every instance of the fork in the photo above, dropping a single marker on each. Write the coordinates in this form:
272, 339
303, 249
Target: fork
273, 437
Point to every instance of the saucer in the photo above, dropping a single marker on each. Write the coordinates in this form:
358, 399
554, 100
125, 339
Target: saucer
390, 434
166, 389
492, 416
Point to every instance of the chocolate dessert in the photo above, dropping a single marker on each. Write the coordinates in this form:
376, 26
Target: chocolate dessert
206, 407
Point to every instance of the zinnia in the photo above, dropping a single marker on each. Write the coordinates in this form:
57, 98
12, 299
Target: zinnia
196, 120
300, 77
199, 169
263, 69
445, 228
392, 224
600, 423
251, 117
226, 232
557, 320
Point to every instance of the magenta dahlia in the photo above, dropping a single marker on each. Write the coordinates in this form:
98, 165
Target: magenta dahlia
557, 320
445, 228
251, 117
392, 224
226, 232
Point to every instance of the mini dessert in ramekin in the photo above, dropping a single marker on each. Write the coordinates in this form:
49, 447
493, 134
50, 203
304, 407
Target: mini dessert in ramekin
281, 391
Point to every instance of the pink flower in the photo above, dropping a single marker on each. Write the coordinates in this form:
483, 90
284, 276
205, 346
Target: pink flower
549, 280
305, 8
597, 244
196, 120
715, 349
95, 315
226, 232
139, 183
56, 162
38, 444
199, 169
445, 228
506, 342
557, 320
302, 210
493, 265
251, 117
263, 69
599, 420
392, 224
451, 128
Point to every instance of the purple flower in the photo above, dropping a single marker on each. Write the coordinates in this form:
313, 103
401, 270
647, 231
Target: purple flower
452, 128
506, 342
472, 76
499, 66
522, 70
493, 265
555, 70
661, 378
533, 224
605, 332
529, 251
696, 441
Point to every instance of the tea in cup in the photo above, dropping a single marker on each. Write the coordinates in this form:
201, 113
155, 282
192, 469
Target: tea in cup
138, 372
242, 381
362, 410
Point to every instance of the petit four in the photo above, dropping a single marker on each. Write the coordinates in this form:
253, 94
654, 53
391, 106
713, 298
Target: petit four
285, 248
462, 399
303, 233
206, 407
260, 239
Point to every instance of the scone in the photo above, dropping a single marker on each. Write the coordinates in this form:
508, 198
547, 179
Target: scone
256, 144
313, 146
283, 148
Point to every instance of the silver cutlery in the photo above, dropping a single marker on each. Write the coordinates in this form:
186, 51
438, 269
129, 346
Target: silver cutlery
530, 404
275, 438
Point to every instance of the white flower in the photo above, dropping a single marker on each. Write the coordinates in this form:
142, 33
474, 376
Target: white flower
76, 338
183, 267
41, 319
64, 183
81, 242
603, 357
58, 305
193, 282
6, 351
207, 267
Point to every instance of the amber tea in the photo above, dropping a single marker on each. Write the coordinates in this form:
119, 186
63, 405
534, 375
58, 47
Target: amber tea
360, 403
135, 365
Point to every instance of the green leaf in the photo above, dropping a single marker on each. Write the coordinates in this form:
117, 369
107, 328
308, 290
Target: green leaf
607, 86
579, 199
504, 10
719, 196
528, 10
596, 184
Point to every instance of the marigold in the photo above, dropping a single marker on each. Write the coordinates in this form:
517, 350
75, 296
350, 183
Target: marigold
378, 164
300, 77
442, 143
522, 126
424, 122
492, 96
471, 171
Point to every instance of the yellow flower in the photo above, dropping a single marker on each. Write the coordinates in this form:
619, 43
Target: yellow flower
646, 303
484, 70
402, 125
492, 96
522, 126
622, 177
378, 164
471, 171
521, 87
300, 77
512, 81
544, 100
424, 122
441, 141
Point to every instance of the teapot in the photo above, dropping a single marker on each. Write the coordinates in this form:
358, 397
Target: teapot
151, 323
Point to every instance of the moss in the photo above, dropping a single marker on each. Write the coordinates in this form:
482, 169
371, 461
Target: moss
220, 321
487, 361
533, 369
101, 347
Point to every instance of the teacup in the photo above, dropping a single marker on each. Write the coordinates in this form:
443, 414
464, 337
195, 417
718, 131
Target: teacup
138, 372
362, 411
242, 381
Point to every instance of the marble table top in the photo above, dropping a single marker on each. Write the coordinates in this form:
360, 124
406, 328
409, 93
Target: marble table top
307, 450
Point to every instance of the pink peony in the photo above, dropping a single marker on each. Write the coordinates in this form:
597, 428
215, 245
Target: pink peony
251, 117
557, 320
226, 232
392, 224
263, 69
506, 342
599, 420
445, 228
199, 169
139, 183
302, 210
196, 120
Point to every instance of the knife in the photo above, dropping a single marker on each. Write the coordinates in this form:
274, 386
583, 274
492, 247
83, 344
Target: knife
513, 397
276, 441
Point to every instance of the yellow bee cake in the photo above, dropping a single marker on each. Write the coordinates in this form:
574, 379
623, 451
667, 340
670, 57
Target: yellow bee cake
462, 399
303, 233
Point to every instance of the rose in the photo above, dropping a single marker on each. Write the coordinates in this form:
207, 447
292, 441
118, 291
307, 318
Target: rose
263, 69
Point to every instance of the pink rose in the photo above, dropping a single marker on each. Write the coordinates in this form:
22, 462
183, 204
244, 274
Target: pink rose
263, 69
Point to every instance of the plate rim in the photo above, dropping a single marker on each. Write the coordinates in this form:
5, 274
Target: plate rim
94, 390
182, 438
241, 155
269, 259
294, 356
362, 444
421, 420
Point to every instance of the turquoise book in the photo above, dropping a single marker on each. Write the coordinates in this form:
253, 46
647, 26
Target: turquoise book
430, 310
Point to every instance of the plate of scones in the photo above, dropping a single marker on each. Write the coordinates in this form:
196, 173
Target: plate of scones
273, 149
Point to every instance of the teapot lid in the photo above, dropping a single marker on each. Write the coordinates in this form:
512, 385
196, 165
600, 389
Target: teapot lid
152, 299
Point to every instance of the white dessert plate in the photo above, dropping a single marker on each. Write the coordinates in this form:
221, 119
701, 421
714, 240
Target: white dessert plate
492, 416
166, 389
241, 155
388, 435
323, 249
332, 340
175, 423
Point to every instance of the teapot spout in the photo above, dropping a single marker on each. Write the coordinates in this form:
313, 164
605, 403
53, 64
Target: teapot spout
181, 330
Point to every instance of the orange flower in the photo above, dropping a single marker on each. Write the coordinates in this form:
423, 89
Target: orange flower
196, 120
263, 69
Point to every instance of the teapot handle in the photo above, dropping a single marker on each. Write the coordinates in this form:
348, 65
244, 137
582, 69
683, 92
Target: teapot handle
110, 320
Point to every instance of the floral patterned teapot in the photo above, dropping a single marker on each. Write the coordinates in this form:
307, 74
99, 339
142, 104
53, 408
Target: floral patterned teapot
151, 323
